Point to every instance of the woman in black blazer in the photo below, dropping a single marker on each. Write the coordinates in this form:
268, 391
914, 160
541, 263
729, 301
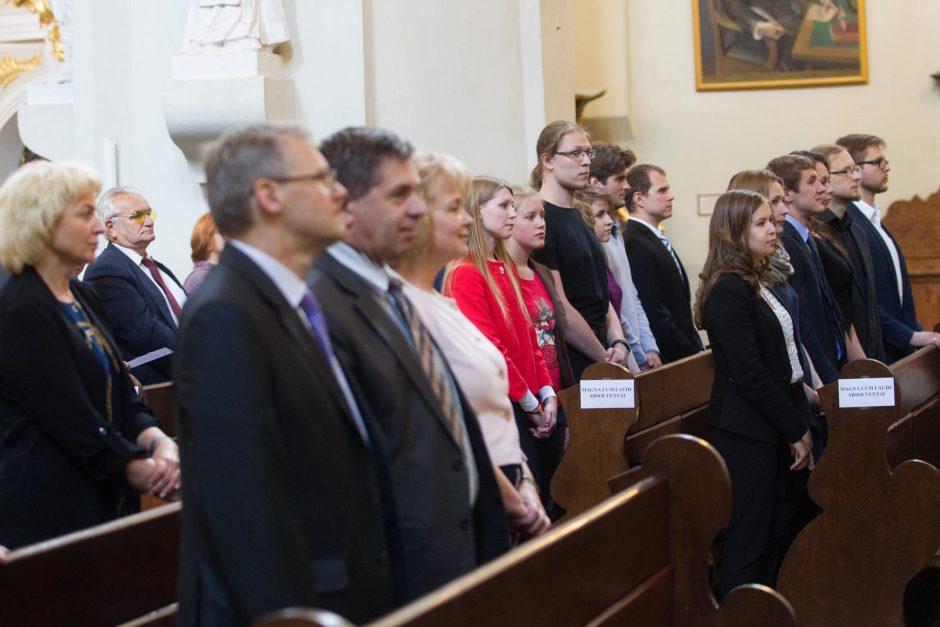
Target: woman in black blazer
758, 410
76, 443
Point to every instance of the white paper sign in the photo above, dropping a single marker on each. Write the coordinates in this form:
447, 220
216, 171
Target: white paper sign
607, 394
872, 392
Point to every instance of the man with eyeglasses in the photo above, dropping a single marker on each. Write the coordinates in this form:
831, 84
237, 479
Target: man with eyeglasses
660, 277
285, 507
142, 297
844, 178
572, 251
901, 331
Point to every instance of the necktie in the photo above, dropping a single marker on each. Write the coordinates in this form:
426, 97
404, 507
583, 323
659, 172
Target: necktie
431, 362
158, 277
672, 253
834, 317
314, 314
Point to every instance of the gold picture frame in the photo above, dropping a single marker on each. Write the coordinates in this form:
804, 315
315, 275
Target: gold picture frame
766, 44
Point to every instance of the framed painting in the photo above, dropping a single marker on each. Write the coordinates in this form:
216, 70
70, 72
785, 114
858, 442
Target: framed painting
759, 44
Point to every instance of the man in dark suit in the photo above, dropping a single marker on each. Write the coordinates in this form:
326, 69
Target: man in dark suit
844, 178
901, 331
142, 298
282, 495
449, 512
820, 320
658, 273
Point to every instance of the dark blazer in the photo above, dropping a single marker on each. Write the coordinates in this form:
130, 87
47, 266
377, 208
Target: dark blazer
141, 319
898, 318
664, 292
282, 504
816, 328
442, 534
751, 395
62, 460
4, 276
561, 323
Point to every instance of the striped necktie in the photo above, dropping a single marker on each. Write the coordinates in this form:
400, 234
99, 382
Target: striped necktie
431, 362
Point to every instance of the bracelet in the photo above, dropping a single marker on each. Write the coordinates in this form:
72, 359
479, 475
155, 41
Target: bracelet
619, 341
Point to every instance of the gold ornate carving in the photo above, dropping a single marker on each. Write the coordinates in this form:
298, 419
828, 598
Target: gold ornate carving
46, 17
11, 69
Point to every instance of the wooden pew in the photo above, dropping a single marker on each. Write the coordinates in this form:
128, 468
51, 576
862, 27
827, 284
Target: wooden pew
604, 442
879, 526
638, 558
105, 575
159, 398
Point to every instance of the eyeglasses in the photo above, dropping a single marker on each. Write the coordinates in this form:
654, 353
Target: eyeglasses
140, 216
881, 162
327, 176
578, 154
848, 171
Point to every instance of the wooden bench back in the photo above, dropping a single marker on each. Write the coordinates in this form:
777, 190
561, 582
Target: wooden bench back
105, 575
638, 558
671, 399
917, 434
878, 527
604, 442
159, 398
596, 450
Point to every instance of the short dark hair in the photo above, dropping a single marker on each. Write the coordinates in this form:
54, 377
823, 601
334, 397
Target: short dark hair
639, 180
610, 160
789, 167
858, 143
357, 153
234, 162
814, 156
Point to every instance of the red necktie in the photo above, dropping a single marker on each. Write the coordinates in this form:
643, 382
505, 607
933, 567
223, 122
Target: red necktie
155, 272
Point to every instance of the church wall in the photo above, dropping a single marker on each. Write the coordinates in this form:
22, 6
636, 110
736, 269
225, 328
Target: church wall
702, 138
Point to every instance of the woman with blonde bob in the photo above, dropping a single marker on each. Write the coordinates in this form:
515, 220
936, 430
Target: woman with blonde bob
758, 410
442, 235
76, 443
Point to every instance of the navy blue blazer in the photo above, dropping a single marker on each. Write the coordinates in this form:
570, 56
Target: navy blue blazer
283, 504
816, 328
141, 320
898, 318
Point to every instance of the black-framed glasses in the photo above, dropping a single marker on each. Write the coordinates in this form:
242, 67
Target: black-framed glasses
578, 154
848, 171
881, 162
140, 216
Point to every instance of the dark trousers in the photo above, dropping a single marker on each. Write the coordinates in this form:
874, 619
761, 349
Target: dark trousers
759, 485
542, 455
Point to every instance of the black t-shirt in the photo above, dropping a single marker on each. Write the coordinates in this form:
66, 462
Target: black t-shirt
572, 248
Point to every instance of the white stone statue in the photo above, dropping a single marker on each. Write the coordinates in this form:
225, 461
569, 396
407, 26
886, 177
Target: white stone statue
221, 26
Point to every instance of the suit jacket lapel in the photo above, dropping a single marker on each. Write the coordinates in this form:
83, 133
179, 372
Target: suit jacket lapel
153, 293
376, 316
290, 320
680, 270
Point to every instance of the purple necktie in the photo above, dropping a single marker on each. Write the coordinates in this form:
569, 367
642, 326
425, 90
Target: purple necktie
311, 308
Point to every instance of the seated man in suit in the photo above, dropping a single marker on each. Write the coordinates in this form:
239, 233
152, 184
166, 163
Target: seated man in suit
901, 331
449, 513
658, 273
284, 506
142, 298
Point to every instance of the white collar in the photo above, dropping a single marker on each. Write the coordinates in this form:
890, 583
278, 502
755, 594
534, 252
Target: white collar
289, 284
359, 263
132, 254
654, 229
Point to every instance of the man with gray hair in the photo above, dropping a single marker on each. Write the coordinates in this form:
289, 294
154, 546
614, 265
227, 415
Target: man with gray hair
284, 508
142, 298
